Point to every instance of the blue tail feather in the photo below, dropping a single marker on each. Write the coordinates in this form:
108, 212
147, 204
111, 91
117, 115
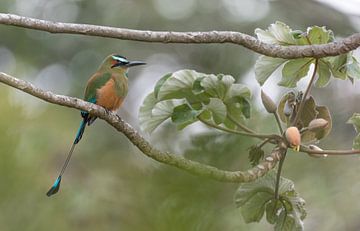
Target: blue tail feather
81, 129
55, 188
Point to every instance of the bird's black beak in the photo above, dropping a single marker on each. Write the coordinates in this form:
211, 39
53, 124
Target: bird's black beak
135, 63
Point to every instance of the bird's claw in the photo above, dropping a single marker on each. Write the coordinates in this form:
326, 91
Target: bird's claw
107, 111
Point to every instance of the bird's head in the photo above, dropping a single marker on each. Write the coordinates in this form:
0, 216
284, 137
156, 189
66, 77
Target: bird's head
118, 61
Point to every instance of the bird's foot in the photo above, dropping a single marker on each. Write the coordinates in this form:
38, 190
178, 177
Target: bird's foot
107, 111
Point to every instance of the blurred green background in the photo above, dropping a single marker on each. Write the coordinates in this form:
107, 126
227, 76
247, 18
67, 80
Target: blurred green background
109, 184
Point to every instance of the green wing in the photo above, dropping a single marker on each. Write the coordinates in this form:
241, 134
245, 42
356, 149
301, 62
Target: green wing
95, 82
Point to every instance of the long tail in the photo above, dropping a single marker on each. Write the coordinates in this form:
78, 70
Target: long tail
56, 186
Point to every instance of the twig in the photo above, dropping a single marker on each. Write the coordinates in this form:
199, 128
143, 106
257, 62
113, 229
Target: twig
278, 175
307, 91
287, 52
278, 123
329, 152
240, 125
256, 135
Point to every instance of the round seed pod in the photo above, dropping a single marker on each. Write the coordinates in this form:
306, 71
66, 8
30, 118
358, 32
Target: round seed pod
293, 137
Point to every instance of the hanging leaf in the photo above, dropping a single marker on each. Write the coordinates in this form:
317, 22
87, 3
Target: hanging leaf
294, 70
319, 35
265, 66
160, 83
355, 120
153, 113
353, 69
273, 209
183, 115
324, 74
238, 90
255, 155
218, 110
217, 86
178, 85
314, 136
284, 109
186, 94
277, 33
256, 197
309, 112
356, 143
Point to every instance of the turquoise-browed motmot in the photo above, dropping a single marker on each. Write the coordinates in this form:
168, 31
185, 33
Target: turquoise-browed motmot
108, 88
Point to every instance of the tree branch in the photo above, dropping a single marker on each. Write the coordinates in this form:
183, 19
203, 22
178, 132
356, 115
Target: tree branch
305, 149
145, 147
287, 52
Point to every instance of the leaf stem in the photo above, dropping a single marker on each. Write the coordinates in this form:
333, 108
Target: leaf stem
242, 126
307, 91
278, 122
256, 135
278, 175
263, 142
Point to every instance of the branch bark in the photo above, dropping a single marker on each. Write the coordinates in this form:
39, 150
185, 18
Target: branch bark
145, 147
287, 52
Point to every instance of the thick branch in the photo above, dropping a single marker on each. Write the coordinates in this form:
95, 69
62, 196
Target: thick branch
144, 146
288, 52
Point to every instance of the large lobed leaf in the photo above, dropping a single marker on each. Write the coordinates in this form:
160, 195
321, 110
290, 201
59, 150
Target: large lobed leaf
256, 198
343, 66
185, 95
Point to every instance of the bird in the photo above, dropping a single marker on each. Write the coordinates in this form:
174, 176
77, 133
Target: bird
107, 87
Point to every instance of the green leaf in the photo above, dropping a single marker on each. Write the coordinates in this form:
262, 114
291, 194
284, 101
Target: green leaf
217, 86
218, 110
277, 33
286, 223
337, 65
355, 120
255, 155
239, 109
197, 88
254, 208
272, 211
294, 70
183, 115
324, 113
237, 104
319, 35
255, 197
153, 113
309, 112
265, 66
324, 74
356, 143
178, 85
160, 83
284, 109
353, 69
314, 136
238, 90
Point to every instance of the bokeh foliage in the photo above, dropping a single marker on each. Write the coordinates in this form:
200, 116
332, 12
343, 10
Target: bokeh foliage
110, 185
